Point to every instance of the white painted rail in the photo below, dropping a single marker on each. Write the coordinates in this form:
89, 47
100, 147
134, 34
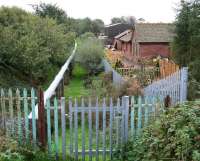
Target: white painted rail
52, 88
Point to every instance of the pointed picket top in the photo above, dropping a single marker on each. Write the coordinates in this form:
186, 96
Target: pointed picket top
104, 102
97, 102
10, 92
118, 102
2, 92
33, 114
75, 103
25, 92
82, 102
90, 102
111, 104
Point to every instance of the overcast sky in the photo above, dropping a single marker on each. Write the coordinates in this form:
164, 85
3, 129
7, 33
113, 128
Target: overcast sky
150, 10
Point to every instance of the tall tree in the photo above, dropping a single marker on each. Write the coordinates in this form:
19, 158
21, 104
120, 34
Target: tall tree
124, 19
182, 38
31, 45
52, 11
186, 44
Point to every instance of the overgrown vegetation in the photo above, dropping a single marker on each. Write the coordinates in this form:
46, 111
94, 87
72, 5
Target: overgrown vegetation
35, 45
174, 136
186, 43
11, 151
76, 86
90, 53
31, 47
79, 26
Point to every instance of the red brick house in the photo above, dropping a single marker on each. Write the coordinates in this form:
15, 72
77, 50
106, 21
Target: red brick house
146, 40
123, 42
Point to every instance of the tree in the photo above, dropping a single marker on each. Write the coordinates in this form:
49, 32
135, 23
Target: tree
98, 26
182, 38
32, 45
186, 45
87, 25
51, 11
117, 20
59, 15
90, 53
124, 19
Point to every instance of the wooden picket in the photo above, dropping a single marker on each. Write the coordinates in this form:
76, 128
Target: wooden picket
126, 119
14, 107
105, 124
173, 86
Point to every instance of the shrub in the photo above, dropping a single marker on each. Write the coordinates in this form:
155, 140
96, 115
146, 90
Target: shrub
90, 53
11, 151
31, 45
175, 136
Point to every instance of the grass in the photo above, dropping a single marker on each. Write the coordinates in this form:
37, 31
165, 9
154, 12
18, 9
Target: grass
76, 89
80, 142
76, 86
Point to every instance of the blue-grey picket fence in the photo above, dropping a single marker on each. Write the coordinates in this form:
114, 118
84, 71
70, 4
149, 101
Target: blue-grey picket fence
174, 86
117, 78
84, 129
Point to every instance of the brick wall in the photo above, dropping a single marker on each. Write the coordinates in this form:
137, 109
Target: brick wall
154, 49
127, 50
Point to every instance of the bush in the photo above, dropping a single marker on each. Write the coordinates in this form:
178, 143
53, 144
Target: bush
175, 136
10, 151
90, 53
31, 45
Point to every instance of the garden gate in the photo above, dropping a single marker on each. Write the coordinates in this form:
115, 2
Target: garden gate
97, 128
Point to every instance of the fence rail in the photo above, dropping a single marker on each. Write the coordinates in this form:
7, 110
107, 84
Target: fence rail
83, 128
57, 83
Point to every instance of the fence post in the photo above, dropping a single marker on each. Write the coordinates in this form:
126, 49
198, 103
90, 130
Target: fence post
41, 119
183, 85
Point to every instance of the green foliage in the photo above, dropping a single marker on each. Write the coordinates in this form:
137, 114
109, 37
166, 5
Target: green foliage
51, 11
174, 136
124, 19
76, 85
90, 53
79, 26
11, 151
87, 25
54, 12
186, 43
31, 45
